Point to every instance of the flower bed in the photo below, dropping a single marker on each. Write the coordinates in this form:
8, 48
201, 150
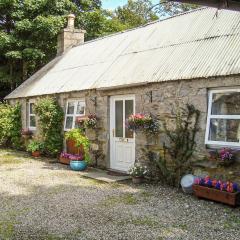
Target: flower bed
217, 190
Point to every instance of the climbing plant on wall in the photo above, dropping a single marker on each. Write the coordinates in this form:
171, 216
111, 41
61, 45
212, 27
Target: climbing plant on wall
10, 125
50, 120
177, 153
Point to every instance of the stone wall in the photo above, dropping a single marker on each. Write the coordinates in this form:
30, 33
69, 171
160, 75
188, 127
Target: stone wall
166, 97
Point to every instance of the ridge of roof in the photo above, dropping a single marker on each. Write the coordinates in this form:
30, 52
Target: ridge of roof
142, 26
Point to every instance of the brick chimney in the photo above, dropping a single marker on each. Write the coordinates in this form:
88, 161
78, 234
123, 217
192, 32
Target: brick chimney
69, 36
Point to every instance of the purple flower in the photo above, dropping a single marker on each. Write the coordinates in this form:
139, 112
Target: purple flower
218, 185
70, 156
209, 183
202, 182
235, 187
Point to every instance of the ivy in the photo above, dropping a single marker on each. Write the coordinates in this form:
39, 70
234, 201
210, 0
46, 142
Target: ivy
10, 125
50, 119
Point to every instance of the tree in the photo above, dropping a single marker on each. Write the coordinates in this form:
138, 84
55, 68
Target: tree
28, 34
165, 8
135, 13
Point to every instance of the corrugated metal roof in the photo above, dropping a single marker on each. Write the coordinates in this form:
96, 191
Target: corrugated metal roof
200, 43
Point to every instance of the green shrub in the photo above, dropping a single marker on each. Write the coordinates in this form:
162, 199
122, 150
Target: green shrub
50, 120
10, 125
34, 146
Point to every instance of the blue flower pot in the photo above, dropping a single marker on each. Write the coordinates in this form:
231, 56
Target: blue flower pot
78, 165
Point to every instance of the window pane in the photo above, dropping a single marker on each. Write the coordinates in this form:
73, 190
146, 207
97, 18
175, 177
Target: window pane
69, 123
31, 108
81, 107
128, 112
70, 109
32, 121
226, 103
119, 118
225, 130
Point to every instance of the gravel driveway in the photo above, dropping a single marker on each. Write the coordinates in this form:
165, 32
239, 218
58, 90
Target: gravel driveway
42, 200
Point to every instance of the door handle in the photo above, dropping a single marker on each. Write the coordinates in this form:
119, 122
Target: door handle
113, 132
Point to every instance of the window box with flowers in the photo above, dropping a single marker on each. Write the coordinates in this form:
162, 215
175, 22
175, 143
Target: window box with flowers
216, 190
143, 122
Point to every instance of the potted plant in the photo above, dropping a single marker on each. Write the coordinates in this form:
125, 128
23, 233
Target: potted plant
80, 160
217, 190
143, 122
138, 172
35, 147
64, 158
91, 121
224, 156
71, 141
87, 122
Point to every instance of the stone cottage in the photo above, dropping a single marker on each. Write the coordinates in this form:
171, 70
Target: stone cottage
192, 57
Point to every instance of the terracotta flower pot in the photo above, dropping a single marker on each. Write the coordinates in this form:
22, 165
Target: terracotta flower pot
137, 180
216, 195
36, 154
71, 148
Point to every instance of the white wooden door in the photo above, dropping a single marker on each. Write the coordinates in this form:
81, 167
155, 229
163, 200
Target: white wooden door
122, 141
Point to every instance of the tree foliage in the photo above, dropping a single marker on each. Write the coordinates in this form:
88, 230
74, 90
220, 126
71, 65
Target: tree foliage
135, 13
10, 125
165, 9
28, 34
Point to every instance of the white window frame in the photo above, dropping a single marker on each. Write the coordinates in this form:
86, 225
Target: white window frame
74, 115
210, 116
31, 115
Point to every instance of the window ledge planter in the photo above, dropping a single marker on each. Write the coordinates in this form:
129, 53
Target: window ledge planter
229, 198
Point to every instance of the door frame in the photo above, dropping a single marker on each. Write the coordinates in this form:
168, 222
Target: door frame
112, 125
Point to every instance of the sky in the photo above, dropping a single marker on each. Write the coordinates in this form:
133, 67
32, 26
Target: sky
112, 4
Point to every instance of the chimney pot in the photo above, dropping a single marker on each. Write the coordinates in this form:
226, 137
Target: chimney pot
71, 19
